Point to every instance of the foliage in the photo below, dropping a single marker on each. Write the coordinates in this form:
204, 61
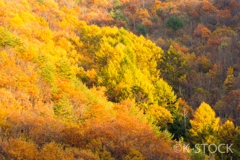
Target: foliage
73, 90
173, 67
204, 124
69, 90
142, 29
117, 15
161, 116
165, 96
230, 79
174, 23
7, 39
177, 128
196, 154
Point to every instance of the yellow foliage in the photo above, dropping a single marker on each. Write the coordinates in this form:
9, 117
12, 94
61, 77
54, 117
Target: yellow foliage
227, 132
204, 117
161, 115
230, 71
92, 74
230, 78
2, 4
17, 21
147, 22
161, 41
46, 51
52, 152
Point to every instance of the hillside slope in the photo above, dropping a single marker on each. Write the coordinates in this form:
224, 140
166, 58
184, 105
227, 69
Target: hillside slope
47, 57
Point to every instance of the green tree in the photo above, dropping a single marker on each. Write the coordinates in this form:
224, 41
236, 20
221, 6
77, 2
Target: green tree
7, 39
47, 72
174, 68
142, 29
174, 23
155, 18
117, 4
117, 15
177, 128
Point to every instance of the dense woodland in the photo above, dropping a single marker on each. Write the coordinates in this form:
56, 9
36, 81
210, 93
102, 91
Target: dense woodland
119, 79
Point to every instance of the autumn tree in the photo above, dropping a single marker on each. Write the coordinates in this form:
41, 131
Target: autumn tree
230, 79
202, 32
204, 124
141, 14
232, 100
207, 10
227, 133
129, 11
161, 116
164, 96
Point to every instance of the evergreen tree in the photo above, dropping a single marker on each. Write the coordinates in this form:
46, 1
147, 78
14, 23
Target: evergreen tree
177, 128
174, 23
142, 29
174, 68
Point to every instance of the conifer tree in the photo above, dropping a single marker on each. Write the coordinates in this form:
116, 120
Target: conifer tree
174, 23
204, 125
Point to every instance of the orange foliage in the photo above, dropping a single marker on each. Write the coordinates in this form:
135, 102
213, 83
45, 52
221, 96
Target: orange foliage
183, 105
202, 32
194, 14
179, 49
233, 4
147, 22
207, 8
141, 13
224, 13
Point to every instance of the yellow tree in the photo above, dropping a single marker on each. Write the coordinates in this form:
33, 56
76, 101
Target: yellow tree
230, 78
204, 124
161, 116
164, 95
227, 132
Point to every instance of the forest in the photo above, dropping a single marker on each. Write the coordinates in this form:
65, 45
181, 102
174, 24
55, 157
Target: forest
119, 79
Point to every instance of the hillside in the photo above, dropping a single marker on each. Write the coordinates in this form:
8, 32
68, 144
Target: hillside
123, 80
205, 34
